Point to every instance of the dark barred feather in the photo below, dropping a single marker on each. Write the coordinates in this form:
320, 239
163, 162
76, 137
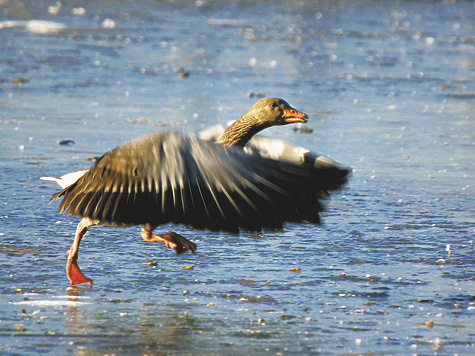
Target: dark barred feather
170, 177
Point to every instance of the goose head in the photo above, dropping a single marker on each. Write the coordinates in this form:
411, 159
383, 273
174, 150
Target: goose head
269, 112
264, 113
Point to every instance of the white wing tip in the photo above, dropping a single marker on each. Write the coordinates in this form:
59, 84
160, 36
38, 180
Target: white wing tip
67, 179
50, 178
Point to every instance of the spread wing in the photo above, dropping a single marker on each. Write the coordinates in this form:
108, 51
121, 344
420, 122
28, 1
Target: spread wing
171, 177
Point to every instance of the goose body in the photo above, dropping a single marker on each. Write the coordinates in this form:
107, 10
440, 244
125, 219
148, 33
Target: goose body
221, 182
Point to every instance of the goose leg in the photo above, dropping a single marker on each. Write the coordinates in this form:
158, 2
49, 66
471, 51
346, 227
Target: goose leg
73, 271
171, 239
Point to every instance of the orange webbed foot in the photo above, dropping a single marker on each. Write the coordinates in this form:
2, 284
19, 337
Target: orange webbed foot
172, 240
178, 243
74, 273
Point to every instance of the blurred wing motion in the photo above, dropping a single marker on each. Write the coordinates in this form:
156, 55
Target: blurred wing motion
171, 177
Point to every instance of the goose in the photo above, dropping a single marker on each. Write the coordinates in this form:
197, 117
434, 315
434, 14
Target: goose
228, 181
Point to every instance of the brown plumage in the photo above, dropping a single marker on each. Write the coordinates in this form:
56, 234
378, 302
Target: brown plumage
172, 177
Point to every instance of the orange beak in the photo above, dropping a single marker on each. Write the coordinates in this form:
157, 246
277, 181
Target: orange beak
292, 116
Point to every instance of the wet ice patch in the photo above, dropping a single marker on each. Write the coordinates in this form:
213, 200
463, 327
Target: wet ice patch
44, 27
35, 26
56, 301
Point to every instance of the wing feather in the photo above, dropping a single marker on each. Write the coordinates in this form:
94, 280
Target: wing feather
171, 177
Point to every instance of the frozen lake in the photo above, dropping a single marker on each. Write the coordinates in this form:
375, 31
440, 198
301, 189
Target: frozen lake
389, 89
